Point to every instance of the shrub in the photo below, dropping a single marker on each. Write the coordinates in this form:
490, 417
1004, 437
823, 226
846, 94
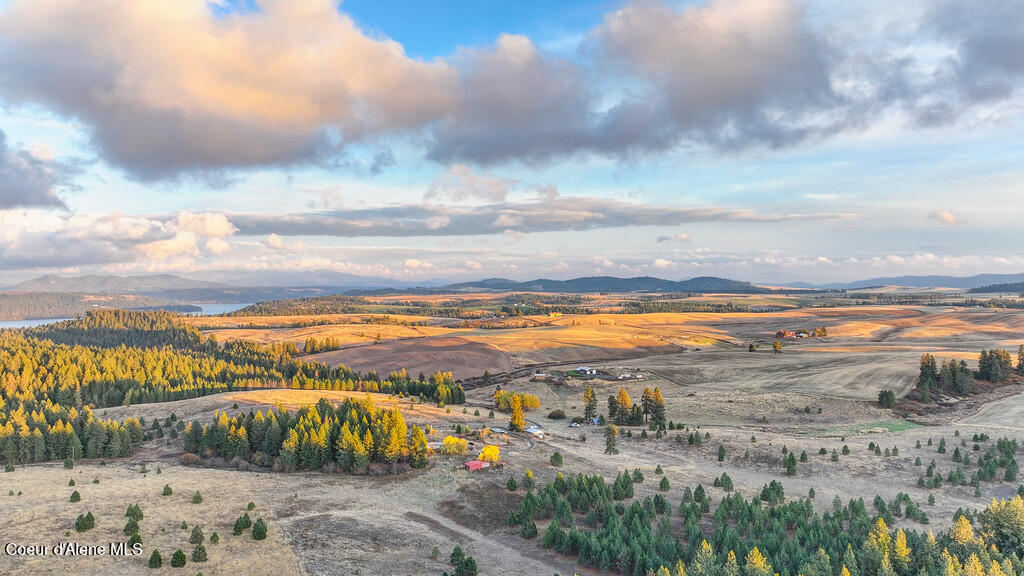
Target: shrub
83, 523
69, 463
887, 399
557, 414
663, 485
167, 490
242, 523
75, 496
133, 511
214, 538
178, 559
556, 459
197, 498
251, 506
259, 529
71, 482
511, 484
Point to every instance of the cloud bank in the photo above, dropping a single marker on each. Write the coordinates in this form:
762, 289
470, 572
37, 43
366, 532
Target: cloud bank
298, 82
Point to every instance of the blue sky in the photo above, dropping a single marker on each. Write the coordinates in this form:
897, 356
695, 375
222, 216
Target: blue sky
764, 140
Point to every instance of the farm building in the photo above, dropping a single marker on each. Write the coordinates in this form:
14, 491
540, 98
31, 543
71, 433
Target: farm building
586, 370
474, 465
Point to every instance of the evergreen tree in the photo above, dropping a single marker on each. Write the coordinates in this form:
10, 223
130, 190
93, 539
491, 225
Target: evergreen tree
611, 433
199, 553
259, 529
178, 559
155, 560
589, 404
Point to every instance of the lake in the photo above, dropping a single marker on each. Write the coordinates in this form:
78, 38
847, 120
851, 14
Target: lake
208, 309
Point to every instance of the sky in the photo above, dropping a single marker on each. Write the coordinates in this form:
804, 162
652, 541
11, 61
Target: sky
772, 141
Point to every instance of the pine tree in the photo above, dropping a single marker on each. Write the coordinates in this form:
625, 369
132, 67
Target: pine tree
658, 407
259, 529
199, 553
178, 559
556, 459
611, 432
589, 404
790, 461
155, 560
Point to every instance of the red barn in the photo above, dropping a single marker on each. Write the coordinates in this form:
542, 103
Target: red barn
474, 465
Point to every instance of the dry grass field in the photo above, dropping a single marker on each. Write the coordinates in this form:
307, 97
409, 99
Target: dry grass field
868, 348
818, 393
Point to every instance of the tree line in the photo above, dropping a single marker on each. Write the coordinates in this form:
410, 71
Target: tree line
954, 377
593, 521
351, 436
48, 384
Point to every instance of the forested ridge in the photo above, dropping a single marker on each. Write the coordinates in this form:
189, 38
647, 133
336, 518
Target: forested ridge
49, 387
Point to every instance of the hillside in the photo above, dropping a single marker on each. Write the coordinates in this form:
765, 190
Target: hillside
39, 305
102, 284
996, 288
703, 284
965, 282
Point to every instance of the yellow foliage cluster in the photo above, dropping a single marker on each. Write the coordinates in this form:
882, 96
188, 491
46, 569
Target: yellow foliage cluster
490, 453
454, 446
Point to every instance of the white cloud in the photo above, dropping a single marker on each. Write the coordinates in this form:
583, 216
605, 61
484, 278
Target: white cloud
662, 264
461, 183
273, 241
946, 217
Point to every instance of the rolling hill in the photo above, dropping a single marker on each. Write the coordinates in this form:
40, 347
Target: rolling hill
99, 284
962, 282
703, 284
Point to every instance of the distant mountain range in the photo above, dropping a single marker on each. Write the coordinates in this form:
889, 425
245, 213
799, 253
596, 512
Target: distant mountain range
701, 284
1010, 287
962, 282
96, 284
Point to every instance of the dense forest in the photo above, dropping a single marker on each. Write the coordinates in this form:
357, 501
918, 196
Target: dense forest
48, 387
351, 436
31, 305
763, 536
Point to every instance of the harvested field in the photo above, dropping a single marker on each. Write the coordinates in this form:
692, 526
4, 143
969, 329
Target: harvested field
463, 357
1006, 414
